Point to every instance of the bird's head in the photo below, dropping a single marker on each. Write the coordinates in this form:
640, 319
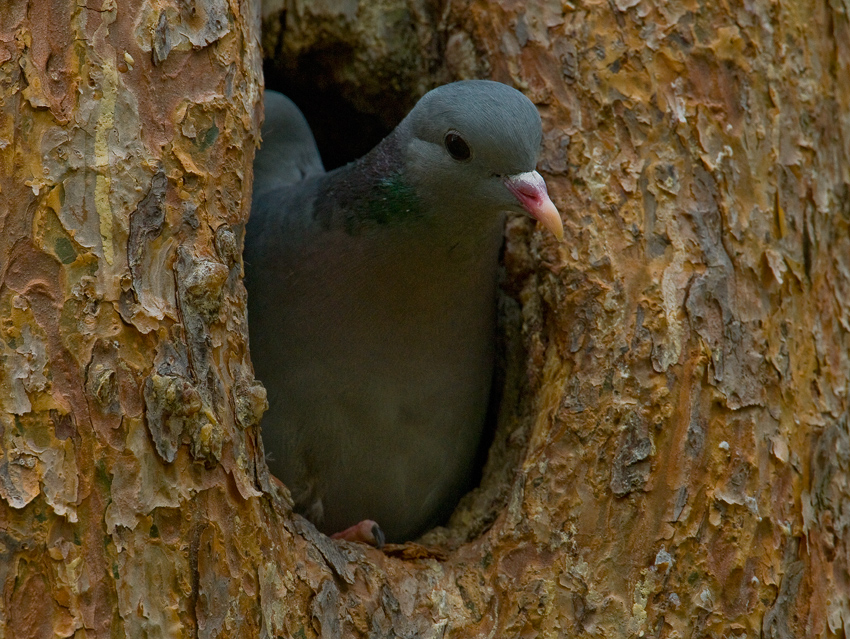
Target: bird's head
475, 144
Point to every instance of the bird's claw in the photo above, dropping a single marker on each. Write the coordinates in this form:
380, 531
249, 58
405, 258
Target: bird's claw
366, 531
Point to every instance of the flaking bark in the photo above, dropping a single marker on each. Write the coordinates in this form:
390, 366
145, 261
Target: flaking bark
673, 451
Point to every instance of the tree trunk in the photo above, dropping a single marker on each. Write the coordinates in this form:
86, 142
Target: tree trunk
672, 456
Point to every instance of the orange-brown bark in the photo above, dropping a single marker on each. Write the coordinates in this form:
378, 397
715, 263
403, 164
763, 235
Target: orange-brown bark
673, 454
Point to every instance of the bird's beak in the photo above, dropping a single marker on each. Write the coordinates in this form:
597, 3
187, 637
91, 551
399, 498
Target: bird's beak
530, 189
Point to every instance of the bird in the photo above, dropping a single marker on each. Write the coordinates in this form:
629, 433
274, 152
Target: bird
372, 293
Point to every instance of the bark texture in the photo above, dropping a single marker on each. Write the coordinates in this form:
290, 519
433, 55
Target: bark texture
126, 141
673, 453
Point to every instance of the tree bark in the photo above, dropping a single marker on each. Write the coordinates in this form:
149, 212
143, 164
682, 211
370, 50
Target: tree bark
673, 451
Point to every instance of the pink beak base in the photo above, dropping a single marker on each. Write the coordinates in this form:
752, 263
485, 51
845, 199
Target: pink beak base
530, 189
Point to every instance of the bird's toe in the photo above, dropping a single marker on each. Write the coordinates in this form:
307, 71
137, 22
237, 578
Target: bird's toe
366, 531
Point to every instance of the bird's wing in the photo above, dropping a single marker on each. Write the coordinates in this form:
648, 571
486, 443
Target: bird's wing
288, 153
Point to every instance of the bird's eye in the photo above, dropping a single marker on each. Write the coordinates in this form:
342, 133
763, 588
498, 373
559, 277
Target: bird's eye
457, 146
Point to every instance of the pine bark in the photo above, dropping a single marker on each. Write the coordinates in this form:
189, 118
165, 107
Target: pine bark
672, 456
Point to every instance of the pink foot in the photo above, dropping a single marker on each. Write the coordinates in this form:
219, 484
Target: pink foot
367, 532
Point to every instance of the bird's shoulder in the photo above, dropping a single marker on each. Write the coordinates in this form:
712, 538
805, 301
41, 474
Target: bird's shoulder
367, 194
372, 192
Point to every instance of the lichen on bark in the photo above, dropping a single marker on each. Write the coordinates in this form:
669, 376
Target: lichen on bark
672, 456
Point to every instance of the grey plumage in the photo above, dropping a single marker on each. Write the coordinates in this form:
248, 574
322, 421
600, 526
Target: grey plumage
372, 302
289, 152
